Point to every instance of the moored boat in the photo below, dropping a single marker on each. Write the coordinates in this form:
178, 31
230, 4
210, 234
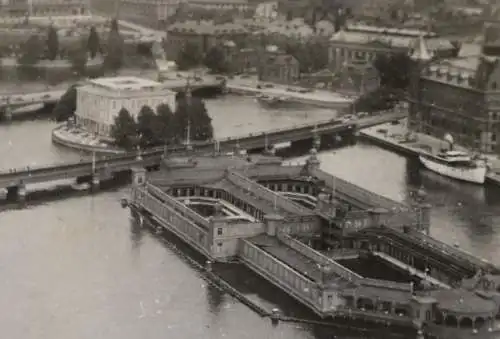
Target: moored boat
272, 101
456, 164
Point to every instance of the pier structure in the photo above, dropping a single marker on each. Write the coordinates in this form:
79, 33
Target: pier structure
306, 232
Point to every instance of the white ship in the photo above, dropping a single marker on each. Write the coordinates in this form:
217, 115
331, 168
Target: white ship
455, 164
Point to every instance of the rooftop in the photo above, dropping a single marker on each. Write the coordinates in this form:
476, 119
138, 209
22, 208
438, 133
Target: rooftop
125, 83
207, 27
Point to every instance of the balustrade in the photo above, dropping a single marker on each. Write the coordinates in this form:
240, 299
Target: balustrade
302, 288
171, 218
178, 206
319, 258
266, 193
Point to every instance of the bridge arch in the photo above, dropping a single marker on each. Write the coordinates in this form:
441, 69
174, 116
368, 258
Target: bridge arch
451, 321
466, 322
365, 303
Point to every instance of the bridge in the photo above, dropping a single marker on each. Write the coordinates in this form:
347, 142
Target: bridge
15, 100
19, 177
23, 99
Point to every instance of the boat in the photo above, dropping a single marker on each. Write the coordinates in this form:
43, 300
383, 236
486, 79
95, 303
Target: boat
271, 101
456, 164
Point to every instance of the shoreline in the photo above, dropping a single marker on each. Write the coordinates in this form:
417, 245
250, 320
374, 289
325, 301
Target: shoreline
58, 139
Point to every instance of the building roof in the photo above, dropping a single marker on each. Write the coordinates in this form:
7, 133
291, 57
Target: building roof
359, 27
218, 2
390, 41
125, 83
471, 72
207, 28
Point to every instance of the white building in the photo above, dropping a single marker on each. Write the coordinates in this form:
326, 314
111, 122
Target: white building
100, 100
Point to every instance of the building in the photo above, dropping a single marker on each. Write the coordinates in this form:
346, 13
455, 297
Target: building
224, 5
99, 101
459, 96
43, 8
153, 13
202, 35
356, 79
278, 67
298, 226
363, 43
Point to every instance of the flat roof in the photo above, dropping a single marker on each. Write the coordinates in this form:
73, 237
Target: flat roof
125, 83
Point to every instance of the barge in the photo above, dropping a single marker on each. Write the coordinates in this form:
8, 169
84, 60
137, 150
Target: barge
309, 239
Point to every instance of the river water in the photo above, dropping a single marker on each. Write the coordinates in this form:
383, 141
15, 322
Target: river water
75, 268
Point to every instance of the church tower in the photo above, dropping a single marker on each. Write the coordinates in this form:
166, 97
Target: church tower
420, 56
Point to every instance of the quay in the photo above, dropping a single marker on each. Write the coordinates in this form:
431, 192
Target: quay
308, 232
317, 98
395, 137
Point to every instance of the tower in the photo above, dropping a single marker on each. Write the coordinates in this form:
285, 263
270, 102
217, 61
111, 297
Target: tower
420, 56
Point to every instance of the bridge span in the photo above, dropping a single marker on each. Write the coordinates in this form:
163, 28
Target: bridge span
21, 176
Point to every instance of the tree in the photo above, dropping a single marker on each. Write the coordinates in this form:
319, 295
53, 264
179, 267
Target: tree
66, 106
78, 58
146, 121
164, 127
52, 43
188, 57
124, 130
93, 43
31, 51
215, 60
394, 70
192, 110
115, 48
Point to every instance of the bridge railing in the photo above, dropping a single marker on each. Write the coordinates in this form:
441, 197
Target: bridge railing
319, 258
266, 193
177, 205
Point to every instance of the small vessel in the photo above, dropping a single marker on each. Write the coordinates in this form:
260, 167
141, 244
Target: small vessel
456, 164
271, 101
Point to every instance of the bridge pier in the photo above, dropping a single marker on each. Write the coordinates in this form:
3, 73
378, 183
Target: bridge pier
17, 193
95, 183
7, 113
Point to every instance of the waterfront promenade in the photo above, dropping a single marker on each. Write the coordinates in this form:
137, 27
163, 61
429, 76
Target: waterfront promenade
313, 97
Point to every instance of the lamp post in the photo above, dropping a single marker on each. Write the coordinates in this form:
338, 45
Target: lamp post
189, 147
138, 147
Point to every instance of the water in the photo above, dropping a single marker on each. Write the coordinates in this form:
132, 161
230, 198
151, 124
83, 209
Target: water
76, 269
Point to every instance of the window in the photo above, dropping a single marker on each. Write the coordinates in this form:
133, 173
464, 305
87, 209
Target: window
219, 231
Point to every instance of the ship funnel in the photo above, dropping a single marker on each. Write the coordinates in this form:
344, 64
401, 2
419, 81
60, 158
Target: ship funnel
449, 139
